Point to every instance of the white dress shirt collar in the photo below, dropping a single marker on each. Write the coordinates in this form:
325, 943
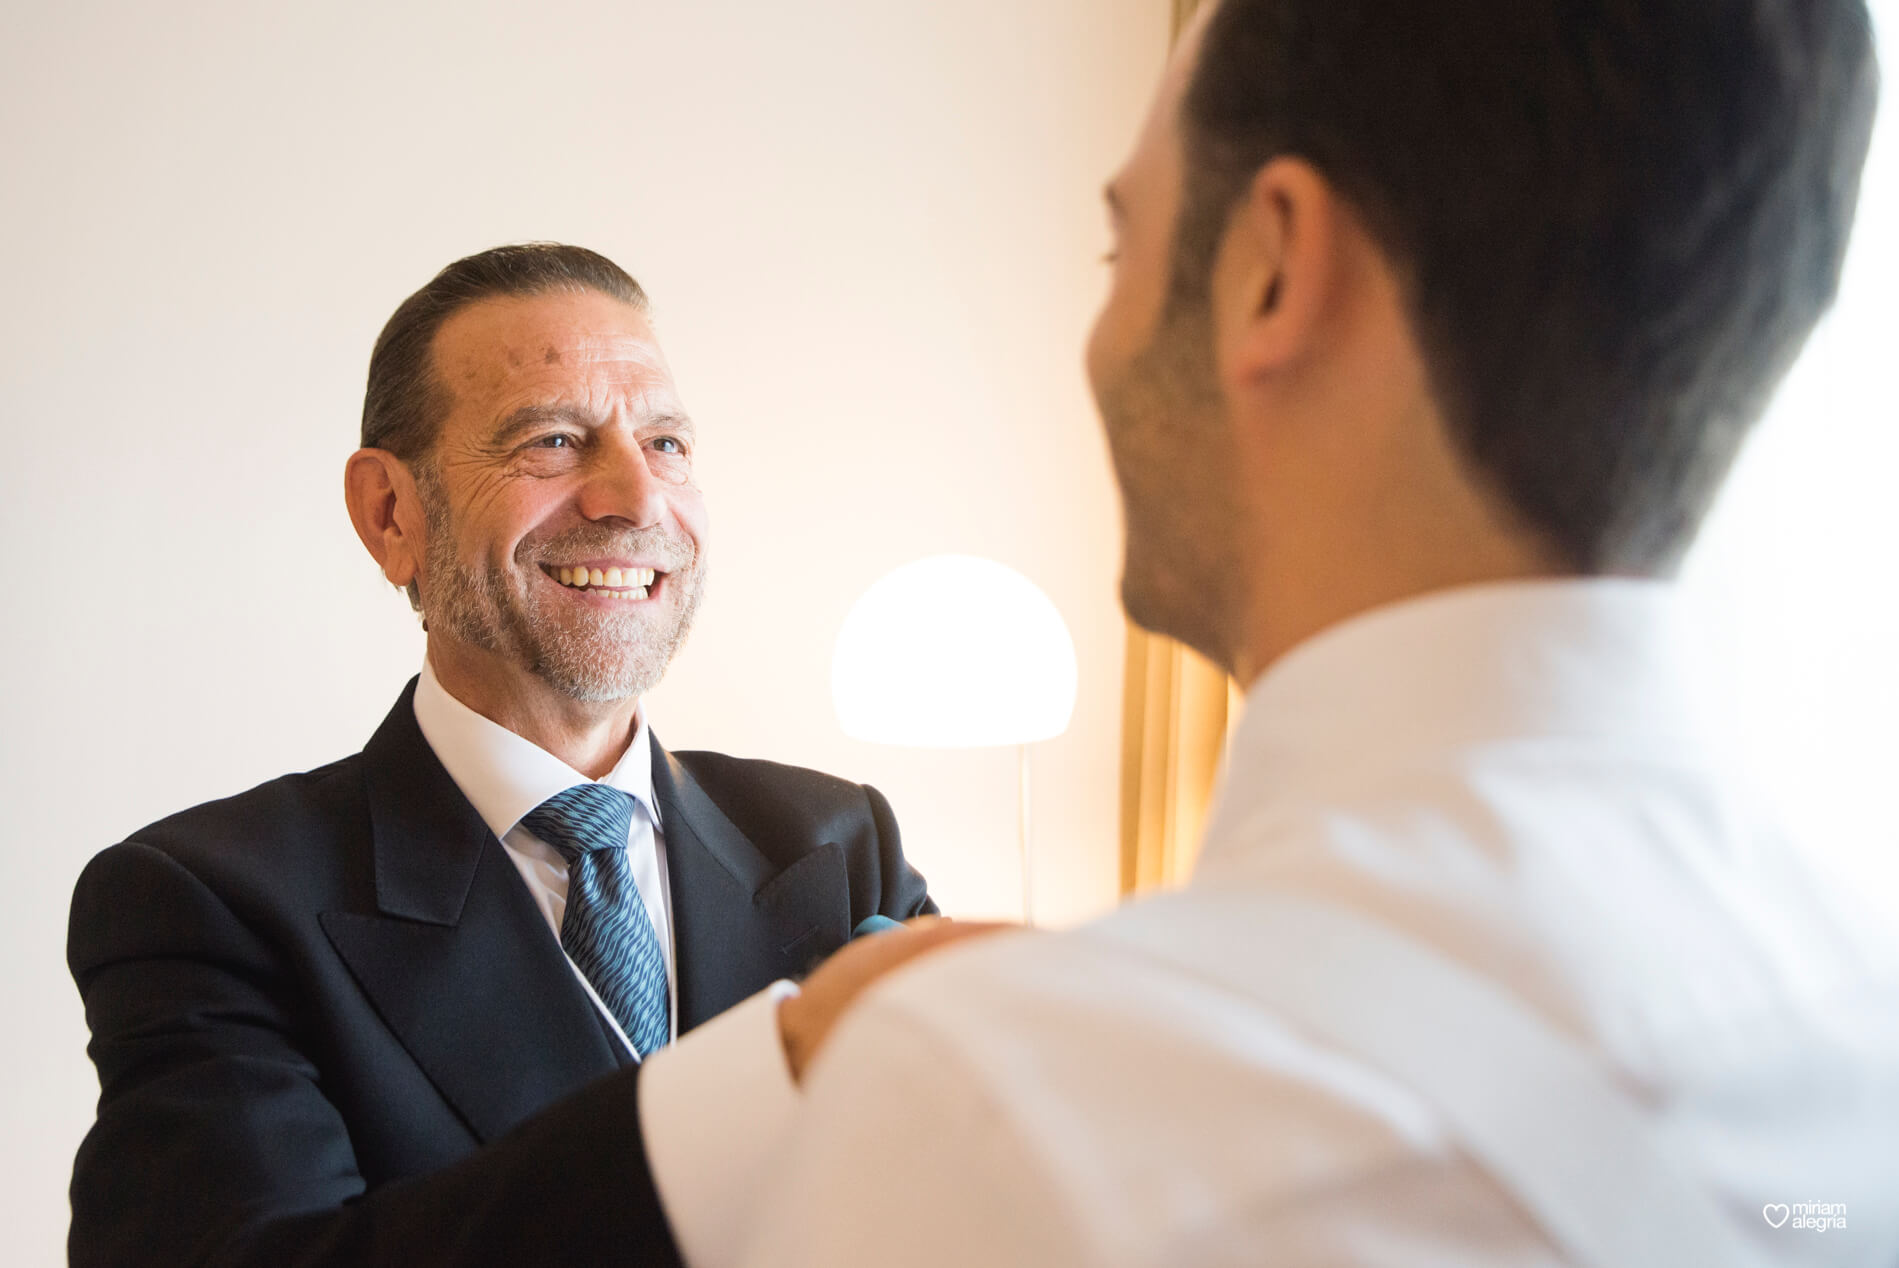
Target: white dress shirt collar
505, 775
1572, 660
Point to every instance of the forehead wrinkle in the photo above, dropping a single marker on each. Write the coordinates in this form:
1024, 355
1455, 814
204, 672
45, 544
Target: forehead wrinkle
597, 368
618, 347
510, 353
596, 376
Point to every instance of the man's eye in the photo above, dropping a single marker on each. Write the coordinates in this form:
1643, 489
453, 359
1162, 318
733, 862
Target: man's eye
669, 444
554, 442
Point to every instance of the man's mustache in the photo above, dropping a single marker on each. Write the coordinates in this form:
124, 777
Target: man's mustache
654, 546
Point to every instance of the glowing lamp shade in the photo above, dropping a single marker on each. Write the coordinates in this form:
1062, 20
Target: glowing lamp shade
954, 652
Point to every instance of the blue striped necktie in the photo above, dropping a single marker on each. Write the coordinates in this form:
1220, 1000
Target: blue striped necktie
606, 930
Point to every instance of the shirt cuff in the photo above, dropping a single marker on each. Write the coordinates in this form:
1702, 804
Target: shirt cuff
712, 1107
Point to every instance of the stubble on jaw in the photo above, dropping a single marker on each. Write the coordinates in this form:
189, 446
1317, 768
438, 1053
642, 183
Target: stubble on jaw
615, 655
1167, 430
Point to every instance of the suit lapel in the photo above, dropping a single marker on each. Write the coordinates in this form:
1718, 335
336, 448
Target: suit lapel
738, 921
456, 957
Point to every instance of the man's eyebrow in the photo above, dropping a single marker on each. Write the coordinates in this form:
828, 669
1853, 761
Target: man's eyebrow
1112, 196
528, 417
668, 420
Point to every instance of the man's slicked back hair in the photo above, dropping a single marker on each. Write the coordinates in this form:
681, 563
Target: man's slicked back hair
1615, 221
405, 403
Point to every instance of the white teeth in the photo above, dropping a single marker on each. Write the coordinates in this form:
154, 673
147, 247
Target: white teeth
617, 583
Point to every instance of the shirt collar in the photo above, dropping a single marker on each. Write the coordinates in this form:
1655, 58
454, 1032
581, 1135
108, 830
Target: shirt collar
1599, 659
504, 775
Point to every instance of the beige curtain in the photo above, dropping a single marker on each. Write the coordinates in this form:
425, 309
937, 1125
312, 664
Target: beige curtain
1173, 736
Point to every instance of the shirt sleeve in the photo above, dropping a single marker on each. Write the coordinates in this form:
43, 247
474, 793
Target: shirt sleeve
713, 1107
899, 1153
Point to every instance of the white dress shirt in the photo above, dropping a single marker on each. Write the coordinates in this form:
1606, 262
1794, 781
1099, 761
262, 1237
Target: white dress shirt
504, 776
1512, 776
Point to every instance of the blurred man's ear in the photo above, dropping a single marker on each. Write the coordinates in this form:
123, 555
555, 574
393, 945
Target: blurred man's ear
1277, 270
386, 509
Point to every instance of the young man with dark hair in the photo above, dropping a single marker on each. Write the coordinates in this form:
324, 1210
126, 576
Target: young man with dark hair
1433, 329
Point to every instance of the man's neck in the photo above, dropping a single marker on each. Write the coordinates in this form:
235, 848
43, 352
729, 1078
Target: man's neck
1399, 517
590, 736
1308, 575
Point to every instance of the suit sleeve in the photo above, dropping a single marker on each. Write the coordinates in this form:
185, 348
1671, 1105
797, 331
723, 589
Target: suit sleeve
216, 1145
904, 893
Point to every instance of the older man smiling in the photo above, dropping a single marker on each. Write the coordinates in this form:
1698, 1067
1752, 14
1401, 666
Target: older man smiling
347, 1017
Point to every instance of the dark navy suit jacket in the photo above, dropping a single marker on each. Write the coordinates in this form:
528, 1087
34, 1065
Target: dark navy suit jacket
332, 1027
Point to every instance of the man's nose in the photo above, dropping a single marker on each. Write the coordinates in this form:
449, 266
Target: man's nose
621, 484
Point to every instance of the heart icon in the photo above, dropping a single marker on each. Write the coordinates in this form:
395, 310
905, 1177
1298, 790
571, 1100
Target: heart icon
1775, 1213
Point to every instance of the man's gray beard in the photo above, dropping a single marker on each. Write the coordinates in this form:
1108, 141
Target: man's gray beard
615, 656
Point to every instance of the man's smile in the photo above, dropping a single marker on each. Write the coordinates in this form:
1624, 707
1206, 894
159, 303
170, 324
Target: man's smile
609, 581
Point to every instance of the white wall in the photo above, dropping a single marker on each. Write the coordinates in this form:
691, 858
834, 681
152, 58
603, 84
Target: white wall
871, 231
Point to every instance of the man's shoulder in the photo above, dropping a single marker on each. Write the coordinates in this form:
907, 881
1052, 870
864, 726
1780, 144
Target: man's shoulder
723, 774
761, 794
785, 810
1098, 1066
265, 826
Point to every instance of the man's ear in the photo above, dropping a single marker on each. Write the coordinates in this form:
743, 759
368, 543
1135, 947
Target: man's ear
387, 512
1277, 268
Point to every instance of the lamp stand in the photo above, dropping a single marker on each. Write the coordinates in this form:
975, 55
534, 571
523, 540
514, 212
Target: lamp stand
1022, 834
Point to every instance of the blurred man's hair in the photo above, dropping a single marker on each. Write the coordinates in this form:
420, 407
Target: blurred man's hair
405, 404
1615, 220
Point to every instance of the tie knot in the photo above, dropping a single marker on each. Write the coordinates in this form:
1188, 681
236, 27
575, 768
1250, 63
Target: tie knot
584, 818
